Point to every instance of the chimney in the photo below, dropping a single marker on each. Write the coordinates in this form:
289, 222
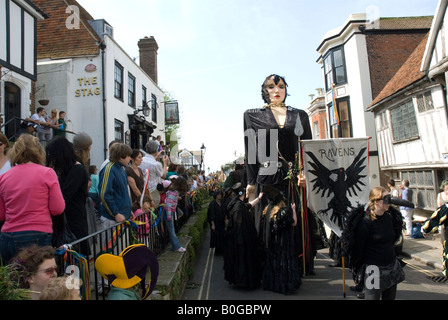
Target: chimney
148, 56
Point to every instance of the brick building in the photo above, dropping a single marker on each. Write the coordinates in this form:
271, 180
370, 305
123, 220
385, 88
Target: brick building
411, 117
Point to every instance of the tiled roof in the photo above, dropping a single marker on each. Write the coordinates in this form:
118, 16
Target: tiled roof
405, 23
406, 75
55, 40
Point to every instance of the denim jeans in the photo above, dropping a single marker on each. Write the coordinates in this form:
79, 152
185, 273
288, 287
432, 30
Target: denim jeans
172, 232
12, 242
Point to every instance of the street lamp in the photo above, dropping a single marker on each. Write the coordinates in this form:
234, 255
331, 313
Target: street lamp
145, 108
202, 154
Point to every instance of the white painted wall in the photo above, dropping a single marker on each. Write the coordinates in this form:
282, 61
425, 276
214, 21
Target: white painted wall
71, 88
427, 150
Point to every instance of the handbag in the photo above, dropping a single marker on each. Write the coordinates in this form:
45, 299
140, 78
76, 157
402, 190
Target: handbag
61, 231
273, 176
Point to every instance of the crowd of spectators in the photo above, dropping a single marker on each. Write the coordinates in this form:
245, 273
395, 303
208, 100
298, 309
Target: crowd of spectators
46, 185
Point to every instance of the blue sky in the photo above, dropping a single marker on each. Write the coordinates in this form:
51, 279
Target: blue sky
214, 54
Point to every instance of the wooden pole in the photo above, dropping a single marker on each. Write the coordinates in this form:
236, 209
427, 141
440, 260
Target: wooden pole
299, 154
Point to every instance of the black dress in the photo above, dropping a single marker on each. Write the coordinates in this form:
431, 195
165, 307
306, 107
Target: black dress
74, 190
242, 249
216, 213
280, 255
258, 148
259, 126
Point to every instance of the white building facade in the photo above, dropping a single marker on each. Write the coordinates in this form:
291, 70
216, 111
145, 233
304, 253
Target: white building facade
358, 59
411, 118
344, 60
18, 21
105, 93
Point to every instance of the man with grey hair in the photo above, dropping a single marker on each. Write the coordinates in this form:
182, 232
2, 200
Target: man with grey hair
157, 172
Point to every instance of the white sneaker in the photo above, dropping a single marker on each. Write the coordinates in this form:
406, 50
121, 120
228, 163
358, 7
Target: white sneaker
181, 249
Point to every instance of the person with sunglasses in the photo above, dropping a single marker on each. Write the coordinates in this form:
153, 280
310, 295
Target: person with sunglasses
34, 266
374, 240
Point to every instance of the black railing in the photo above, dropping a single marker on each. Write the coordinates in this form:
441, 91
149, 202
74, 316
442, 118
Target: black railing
15, 126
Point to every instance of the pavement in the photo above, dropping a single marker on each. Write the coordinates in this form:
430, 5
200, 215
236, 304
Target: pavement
425, 250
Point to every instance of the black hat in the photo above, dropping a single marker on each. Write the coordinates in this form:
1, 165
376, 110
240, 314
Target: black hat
238, 188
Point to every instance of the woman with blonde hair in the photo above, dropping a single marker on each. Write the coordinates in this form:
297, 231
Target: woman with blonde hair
53, 119
29, 195
375, 236
5, 165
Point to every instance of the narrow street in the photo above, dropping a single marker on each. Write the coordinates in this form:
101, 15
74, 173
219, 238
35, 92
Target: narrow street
208, 282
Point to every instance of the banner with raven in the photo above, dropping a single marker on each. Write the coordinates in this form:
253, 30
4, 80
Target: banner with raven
337, 177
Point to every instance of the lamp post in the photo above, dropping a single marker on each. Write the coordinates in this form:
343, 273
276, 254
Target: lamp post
202, 154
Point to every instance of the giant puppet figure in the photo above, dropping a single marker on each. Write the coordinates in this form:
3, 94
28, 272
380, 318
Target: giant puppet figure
272, 135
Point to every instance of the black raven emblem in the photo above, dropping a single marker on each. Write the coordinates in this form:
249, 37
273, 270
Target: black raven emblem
338, 182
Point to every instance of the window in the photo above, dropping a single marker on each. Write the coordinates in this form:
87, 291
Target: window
154, 108
144, 96
334, 68
422, 184
343, 130
118, 74
424, 102
118, 130
404, 122
131, 90
382, 121
316, 132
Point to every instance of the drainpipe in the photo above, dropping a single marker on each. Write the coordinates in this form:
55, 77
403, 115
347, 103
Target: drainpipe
103, 48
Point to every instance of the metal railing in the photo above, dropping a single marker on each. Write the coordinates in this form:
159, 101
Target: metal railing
78, 258
15, 128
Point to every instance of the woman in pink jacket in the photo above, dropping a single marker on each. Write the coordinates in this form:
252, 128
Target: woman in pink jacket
29, 195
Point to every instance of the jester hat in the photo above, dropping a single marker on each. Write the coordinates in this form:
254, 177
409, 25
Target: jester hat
129, 268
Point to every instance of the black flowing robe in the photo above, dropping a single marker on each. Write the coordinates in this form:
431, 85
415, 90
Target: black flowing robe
280, 255
270, 150
242, 249
216, 213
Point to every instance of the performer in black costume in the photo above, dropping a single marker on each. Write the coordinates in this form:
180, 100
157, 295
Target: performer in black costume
272, 136
439, 217
280, 260
216, 216
242, 263
368, 241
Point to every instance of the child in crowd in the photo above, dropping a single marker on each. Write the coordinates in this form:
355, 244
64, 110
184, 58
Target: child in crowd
61, 288
178, 187
142, 215
93, 191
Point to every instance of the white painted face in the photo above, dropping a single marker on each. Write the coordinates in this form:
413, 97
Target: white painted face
277, 92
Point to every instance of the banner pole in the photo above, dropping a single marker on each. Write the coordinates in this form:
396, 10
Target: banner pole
301, 208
